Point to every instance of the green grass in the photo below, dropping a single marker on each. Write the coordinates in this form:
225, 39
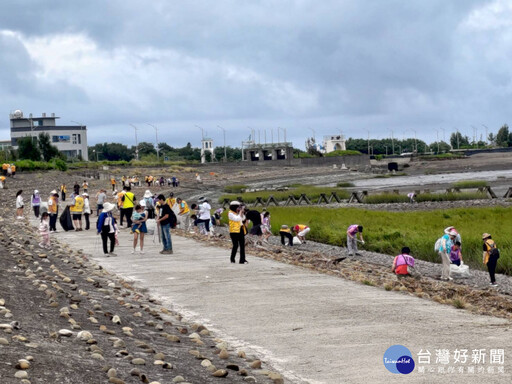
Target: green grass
345, 184
388, 232
388, 198
470, 184
312, 192
236, 188
343, 153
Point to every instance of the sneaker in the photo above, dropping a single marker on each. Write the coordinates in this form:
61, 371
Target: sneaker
112, 254
450, 279
133, 251
169, 252
493, 284
358, 254
142, 252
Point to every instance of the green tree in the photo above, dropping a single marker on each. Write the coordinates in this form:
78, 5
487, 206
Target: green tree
28, 149
492, 139
48, 150
458, 141
145, 148
503, 137
440, 147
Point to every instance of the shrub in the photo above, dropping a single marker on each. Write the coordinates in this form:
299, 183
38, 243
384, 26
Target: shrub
343, 153
59, 164
470, 184
345, 184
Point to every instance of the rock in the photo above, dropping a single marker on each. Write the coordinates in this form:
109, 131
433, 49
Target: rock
167, 366
84, 335
256, 364
21, 375
97, 356
173, 338
194, 336
220, 373
206, 363
138, 361
3, 341
158, 362
115, 380
2, 302
243, 372
159, 356
116, 319
119, 344
65, 332
250, 379
241, 354
224, 354
135, 372
276, 377
23, 364
112, 372
178, 379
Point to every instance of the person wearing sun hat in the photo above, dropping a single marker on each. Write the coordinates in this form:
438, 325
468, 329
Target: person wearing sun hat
447, 241
491, 255
35, 200
237, 230
107, 228
53, 209
148, 204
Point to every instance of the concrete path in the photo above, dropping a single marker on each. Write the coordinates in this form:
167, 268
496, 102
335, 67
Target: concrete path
311, 327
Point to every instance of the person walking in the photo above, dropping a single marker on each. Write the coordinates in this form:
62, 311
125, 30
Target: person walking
205, 215
101, 197
149, 204
128, 204
87, 210
237, 230
44, 231
139, 227
63, 191
107, 228
184, 214
445, 247
35, 201
19, 204
352, 232
76, 209
113, 183
85, 186
166, 220
53, 209
491, 254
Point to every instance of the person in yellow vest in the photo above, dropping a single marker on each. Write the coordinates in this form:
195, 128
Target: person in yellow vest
171, 200
85, 186
63, 191
113, 183
13, 169
76, 209
237, 230
2, 182
53, 209
184, 214
119, 197
4, 169
128, 204
286, 232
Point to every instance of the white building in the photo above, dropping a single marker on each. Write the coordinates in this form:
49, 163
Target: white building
71, 140
334, 143
207, 146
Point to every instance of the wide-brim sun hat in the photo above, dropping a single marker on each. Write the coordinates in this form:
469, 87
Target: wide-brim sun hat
85, 194
453, 233
36, 191
485, 236
107, 207
147, 193
53, 192
235, 202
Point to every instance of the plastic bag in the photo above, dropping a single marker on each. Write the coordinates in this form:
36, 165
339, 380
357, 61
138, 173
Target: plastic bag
151, 226
459, 272
296, 241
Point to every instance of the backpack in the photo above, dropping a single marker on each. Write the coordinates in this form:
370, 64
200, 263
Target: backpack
173, 219
494, 252
437, 245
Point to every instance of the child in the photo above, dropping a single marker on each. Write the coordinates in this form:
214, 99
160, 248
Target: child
402, 262
136, 216
44, 230
265, 226
19, 205
87, 210
455, 254
139, 227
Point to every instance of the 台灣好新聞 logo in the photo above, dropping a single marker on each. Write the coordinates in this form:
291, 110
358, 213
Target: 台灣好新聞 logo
398, 359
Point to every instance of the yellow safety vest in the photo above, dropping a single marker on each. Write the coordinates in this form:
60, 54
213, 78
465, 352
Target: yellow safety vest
235, 226
171, 201
79, 205
185, 208
63, 188
13, 168
128, 200
53, 207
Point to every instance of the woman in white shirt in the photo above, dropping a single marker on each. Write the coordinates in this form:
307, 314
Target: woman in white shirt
19, 204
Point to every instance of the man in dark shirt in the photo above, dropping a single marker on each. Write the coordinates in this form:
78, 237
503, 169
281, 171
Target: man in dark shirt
255, 218
166, 220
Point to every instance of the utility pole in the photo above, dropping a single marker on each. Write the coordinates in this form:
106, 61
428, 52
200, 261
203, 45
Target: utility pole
437, 134
486, 134
392, 143
157, 148
225, 153
136, 143
368, 141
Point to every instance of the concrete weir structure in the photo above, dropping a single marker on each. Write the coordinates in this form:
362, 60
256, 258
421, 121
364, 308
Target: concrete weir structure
311, 327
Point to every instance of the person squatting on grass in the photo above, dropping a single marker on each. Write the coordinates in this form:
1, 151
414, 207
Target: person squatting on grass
491, 255
456, 254
402, 262
301, 230
237, 230
447, 241
352, 232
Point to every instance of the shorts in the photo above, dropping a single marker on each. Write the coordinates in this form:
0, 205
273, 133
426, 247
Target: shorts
99, 206
304, 232
456, 262
256, 230
77, 216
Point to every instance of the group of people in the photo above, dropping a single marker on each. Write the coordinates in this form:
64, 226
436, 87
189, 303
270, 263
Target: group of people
151, 180
8, 170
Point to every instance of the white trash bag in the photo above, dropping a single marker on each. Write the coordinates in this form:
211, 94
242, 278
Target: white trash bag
296, 241
151, 226
459, 272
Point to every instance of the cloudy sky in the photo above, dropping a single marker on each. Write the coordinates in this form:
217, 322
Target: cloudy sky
400, 67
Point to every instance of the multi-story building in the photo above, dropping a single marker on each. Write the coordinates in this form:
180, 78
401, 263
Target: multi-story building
71, 140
